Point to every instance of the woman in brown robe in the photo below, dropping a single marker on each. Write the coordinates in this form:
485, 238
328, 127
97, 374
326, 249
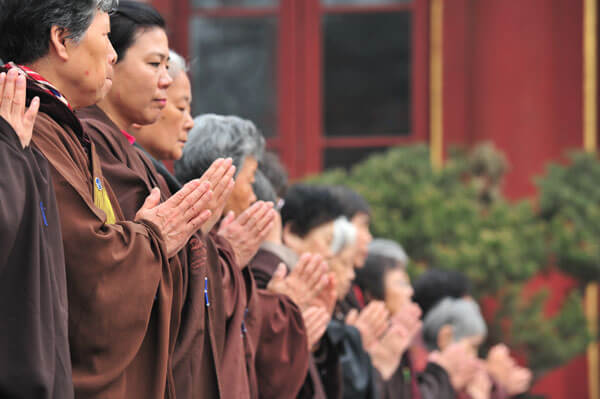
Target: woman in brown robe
121, 287
35, 361
273, 331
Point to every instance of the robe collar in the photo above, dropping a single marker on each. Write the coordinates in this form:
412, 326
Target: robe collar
40, 81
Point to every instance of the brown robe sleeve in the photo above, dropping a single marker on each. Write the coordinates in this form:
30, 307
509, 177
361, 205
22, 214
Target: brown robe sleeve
119, 280
263, 266
281, 347
434, 383
34, 349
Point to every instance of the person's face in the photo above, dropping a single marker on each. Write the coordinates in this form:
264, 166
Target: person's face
363, 238
397, 288
141, 80
165, 138
89, 67
342, 267
242, 195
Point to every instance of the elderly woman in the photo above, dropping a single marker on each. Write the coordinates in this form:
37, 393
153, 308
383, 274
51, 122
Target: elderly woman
273, 324
435, 285
459, 321
119, 277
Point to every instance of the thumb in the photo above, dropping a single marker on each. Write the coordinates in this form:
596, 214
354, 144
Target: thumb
152, 200
227, 220
281, 272
352, 317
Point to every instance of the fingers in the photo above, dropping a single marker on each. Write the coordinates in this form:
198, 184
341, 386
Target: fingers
262, 217
248, 213
352, 317
8, 93
194, 202
212, 170
224, 185
18, 102
182, 194
227, 220
280, 272
198, 221
151, 200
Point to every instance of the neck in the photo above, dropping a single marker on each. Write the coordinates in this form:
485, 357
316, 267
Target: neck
48, 72
111, 111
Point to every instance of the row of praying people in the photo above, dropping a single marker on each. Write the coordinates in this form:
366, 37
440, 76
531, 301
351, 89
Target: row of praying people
123, 280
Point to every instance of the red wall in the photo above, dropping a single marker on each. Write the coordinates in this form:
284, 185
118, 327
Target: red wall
513, 76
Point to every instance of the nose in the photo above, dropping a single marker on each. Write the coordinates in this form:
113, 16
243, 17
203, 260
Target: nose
188, 124
112, 54
165, 80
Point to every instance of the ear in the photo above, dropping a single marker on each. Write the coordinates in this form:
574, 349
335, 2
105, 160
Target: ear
58, 42
445, 336
292, 240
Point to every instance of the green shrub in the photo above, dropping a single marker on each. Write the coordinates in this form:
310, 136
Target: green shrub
570, 203
457, 219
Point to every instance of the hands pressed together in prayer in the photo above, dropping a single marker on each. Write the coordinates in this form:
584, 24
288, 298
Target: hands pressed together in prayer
372, 322
197, 206
460, 363
12, 105
506, 372
246, 232
304, 282
179, 217
387, 352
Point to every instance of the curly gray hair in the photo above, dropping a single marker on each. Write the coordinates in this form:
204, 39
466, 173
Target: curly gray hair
217, 136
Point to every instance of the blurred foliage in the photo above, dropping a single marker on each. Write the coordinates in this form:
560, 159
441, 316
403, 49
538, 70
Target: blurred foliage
570, 203
456, 218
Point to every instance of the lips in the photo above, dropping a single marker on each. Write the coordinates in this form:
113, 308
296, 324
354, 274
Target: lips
161, 101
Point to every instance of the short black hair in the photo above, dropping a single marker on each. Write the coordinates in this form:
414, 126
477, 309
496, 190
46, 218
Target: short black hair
128, 20
25, 25
307, 207
371, 277
352, 202
437, 284
274, 171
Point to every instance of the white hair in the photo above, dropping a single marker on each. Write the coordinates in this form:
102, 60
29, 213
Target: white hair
177, 64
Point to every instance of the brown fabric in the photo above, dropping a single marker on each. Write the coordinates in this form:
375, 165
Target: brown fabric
263, 266
119, 282
34, 348
282, 355
132, 175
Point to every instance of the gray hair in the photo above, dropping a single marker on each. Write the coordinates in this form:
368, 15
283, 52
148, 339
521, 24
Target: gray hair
217, 136
177, 64
25, 24
263, 189
388, 249
463, 315
344, 234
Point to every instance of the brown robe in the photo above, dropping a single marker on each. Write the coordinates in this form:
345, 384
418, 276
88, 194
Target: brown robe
222, 360
132, 175
263, 266
34, 347
120, 286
